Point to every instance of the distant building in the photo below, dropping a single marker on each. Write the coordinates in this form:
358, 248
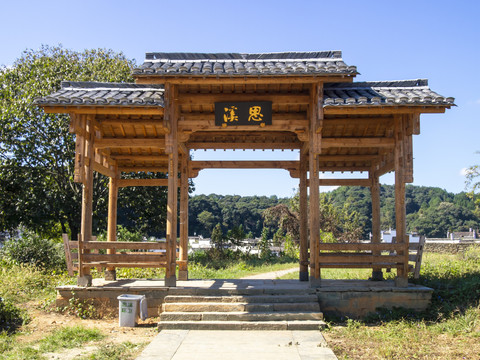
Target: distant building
387, 236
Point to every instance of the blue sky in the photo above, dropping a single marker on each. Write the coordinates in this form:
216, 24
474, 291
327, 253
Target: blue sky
386, 40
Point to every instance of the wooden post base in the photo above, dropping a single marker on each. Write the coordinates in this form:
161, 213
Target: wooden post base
303, 275
171, 281
377, 276
85, 280
183, 275
110, 275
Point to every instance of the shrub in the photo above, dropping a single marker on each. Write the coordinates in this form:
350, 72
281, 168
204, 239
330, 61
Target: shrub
11, 316
31, 249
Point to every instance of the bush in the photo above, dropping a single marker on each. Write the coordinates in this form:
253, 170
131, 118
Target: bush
11, 316
31, 249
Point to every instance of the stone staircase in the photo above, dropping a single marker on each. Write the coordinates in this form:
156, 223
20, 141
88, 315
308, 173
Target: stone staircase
279, 311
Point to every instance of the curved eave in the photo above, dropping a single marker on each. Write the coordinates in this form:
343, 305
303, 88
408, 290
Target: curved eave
385, 109
102, 110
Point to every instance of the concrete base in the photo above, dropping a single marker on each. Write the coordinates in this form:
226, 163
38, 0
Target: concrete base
377, 276
84, 281
401, 282
352, 298
182, 275
171, 281
110, 275
356, 298
315, 283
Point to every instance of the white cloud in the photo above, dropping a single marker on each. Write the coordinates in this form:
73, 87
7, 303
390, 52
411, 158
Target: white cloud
463, 171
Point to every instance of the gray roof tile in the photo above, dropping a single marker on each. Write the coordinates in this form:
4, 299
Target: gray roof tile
408, 92
95, 93
231, 64
405, 92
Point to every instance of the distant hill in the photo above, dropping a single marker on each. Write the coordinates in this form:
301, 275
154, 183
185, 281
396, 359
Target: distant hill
431, 211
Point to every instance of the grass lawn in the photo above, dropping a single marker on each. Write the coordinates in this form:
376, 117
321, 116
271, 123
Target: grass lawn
449, 329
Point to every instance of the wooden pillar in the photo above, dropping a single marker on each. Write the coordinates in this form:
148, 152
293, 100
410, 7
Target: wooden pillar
183, 255
400, 210
316, 122
110, 272
84, 277
172, 151
377, 273
303, 209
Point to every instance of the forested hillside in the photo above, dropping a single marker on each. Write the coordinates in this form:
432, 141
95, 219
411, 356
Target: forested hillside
430, 211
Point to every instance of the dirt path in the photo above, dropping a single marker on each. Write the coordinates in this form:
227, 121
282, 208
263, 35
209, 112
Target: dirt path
272, 275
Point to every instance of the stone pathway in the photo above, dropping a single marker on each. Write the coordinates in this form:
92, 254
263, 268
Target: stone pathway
272, 275
237, 345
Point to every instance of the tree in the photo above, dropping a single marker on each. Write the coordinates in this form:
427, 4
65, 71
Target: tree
472, 183
36, 149
217, 237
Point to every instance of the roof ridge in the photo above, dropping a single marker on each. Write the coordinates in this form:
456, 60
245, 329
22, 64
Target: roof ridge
283, 55
108, 85
414, 83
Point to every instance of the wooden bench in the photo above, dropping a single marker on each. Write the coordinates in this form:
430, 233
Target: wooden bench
369, 255
140, 257
415, 255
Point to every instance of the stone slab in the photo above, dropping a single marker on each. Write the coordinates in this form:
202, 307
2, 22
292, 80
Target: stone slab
233, 345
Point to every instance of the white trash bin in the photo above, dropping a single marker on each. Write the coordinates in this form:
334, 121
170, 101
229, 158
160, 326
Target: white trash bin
130, 308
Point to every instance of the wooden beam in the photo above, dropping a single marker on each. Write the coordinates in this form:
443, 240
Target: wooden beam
343, 169
153, 169
376, 217
112, 212
240, 80
303, 218
344, 182
210, 99
183, 253
188, 119
357, 142
157, 110
400, 210
87, 205
244, 164
103, 169
355, 121
157, 157
171, 140
245, 145
209, 125
346, 158
315, 143
133, 122
129, 142
142, 182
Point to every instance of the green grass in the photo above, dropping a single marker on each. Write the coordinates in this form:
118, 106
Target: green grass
60, 339
448, 329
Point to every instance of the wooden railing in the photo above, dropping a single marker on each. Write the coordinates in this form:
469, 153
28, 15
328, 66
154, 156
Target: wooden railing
368, 255
127, 254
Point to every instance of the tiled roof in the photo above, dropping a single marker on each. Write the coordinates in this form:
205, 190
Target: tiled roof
96, 93
231, 64
405, 92
408, 92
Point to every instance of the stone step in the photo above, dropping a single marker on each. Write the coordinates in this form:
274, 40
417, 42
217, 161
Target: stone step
247, 307
240, 316
242, 325
243, 298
